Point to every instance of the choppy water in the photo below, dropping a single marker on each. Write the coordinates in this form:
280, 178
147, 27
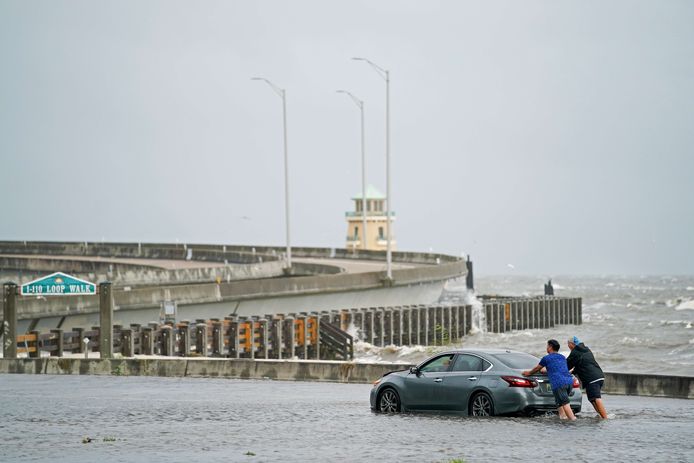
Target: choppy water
632, 324
133, 419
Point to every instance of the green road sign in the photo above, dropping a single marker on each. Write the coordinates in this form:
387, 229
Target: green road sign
58, 284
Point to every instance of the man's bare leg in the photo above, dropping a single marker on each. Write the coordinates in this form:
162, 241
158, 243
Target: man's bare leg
600, 408
562, 413
568, 412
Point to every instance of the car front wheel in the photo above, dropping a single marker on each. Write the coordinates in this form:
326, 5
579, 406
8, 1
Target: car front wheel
481, 405
389, 401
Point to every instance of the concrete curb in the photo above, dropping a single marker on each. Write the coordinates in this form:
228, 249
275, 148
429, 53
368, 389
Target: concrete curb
680, 387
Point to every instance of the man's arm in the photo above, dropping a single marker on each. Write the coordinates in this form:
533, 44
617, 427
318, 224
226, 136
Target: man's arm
533, 371
571, 361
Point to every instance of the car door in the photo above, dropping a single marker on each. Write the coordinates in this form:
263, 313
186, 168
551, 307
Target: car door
423, 390
464, 376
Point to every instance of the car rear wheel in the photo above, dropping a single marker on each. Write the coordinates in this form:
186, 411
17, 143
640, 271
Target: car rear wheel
481, 405
389, 401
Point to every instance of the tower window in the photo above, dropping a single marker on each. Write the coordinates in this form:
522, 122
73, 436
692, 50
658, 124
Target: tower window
380, 233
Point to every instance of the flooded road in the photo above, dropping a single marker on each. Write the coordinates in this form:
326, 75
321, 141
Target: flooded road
136, 419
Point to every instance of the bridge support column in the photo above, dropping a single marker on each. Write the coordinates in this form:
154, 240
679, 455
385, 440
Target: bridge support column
9, 325
105, 320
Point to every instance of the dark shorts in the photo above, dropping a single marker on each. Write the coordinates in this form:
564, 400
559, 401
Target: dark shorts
561, 395
593, 390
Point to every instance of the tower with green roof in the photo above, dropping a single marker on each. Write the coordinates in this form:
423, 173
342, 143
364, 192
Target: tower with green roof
374, 237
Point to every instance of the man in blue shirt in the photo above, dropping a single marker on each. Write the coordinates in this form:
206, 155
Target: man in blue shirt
559, 377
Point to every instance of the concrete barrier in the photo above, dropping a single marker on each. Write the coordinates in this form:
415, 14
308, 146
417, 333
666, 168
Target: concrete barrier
286, 370
679, 387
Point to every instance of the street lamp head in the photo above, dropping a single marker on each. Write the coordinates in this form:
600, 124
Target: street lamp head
275, 88
382, 72
356, 100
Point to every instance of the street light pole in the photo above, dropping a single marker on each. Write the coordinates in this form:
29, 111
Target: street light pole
360, 105
282, 94
385, 75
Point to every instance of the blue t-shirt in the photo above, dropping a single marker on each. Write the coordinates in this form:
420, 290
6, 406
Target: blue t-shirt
557, 370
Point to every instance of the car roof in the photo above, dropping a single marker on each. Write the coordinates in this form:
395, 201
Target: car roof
483, 351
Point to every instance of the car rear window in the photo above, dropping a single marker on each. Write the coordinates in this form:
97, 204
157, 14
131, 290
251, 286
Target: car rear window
518, 361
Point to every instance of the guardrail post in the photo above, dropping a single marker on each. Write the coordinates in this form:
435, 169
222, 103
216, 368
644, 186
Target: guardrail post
369, 319
303, 334
459, 321
137, 338
105, 320
183, 335
78, 339
147, 341
449, 320
289, 336
201, 339
380, 326
217, 339
58, 351
490, 315
467, 319
345, 319
275, 335
407, 325
254, 327
527, 313
388, 326
265, 337
37, 349
396, 317
167, 336
229, 336
127, 342
358, 320
314, 334
9, 325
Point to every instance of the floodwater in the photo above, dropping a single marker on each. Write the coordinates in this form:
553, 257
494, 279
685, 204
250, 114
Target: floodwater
637, 324
138, 419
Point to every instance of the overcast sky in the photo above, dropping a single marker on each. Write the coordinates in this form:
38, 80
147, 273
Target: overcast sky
554, 136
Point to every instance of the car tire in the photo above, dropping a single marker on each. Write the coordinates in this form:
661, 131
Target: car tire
481, 404
388, 401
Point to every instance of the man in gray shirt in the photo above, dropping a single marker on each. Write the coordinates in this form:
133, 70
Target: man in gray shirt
582, 363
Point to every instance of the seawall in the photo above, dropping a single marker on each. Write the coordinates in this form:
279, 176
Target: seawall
680, 387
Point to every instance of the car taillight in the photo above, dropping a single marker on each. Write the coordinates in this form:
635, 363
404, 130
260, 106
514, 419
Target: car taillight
377, 382
576, 383
514, 381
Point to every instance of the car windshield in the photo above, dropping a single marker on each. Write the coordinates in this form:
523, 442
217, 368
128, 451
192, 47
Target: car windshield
518, 360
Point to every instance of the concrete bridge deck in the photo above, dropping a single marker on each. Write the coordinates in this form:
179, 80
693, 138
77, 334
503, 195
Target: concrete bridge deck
208, 281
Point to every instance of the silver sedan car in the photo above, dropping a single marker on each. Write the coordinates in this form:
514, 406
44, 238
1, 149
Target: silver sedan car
480, 382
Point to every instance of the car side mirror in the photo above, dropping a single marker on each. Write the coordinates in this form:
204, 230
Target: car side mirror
414, 371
